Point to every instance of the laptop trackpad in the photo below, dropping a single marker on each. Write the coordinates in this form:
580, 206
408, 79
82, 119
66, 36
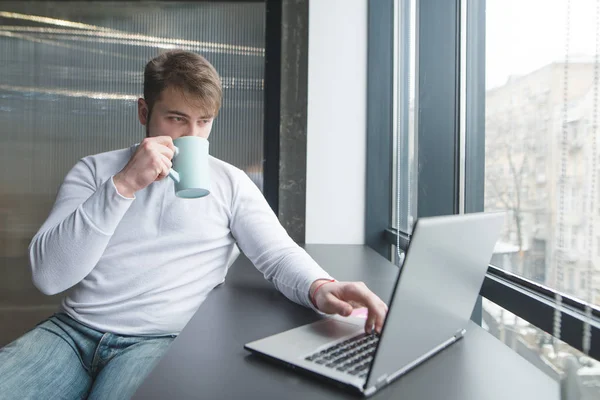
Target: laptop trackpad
310, 337
307, 338
333, 328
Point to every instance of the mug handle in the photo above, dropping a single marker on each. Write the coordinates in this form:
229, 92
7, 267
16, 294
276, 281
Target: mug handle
172, 173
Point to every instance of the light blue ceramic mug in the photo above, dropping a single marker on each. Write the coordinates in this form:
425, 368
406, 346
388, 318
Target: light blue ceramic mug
190, 167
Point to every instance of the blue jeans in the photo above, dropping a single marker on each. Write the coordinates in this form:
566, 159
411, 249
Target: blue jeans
63, 359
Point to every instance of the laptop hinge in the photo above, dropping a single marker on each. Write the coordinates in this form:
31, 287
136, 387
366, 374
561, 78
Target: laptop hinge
381, 381
460, 334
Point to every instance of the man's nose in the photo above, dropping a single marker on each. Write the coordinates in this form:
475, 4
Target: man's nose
192, 130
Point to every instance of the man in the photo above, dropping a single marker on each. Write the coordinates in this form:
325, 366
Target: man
140, 260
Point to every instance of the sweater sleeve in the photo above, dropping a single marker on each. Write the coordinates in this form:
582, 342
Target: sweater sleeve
72, 239
266, 243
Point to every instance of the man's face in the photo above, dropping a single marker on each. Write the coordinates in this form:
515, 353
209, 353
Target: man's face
174, 114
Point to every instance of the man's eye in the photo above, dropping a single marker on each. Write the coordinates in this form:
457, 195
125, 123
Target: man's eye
177, 119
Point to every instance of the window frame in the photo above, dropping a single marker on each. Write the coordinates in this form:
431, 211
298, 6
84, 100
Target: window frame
272, 101
379, 146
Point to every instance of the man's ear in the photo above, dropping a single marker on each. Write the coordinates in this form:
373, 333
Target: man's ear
143, 111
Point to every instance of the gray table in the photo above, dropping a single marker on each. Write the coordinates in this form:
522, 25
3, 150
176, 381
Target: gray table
207, 360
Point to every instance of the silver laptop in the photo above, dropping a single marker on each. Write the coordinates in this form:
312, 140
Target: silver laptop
434, 295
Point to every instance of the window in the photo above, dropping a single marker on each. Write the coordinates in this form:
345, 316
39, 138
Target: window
404, 196
493, 130
536, 79
598, 183
556, 358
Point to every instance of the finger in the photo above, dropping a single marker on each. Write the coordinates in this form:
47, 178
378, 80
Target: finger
380, 317
336, 306
166, 141
377, 313
356, 304
360, 294
166, 151
167, 163
369, 325
164, 167
161, 175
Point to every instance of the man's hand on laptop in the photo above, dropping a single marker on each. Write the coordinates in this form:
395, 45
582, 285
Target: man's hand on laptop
333, 297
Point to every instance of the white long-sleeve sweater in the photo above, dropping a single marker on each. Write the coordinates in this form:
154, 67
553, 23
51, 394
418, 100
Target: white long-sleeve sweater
143, 266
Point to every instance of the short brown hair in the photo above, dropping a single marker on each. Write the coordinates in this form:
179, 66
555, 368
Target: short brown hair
186, 71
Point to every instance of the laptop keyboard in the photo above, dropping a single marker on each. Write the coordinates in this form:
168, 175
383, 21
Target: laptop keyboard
352, 356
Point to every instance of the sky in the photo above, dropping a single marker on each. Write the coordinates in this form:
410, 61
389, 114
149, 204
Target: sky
524, 35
